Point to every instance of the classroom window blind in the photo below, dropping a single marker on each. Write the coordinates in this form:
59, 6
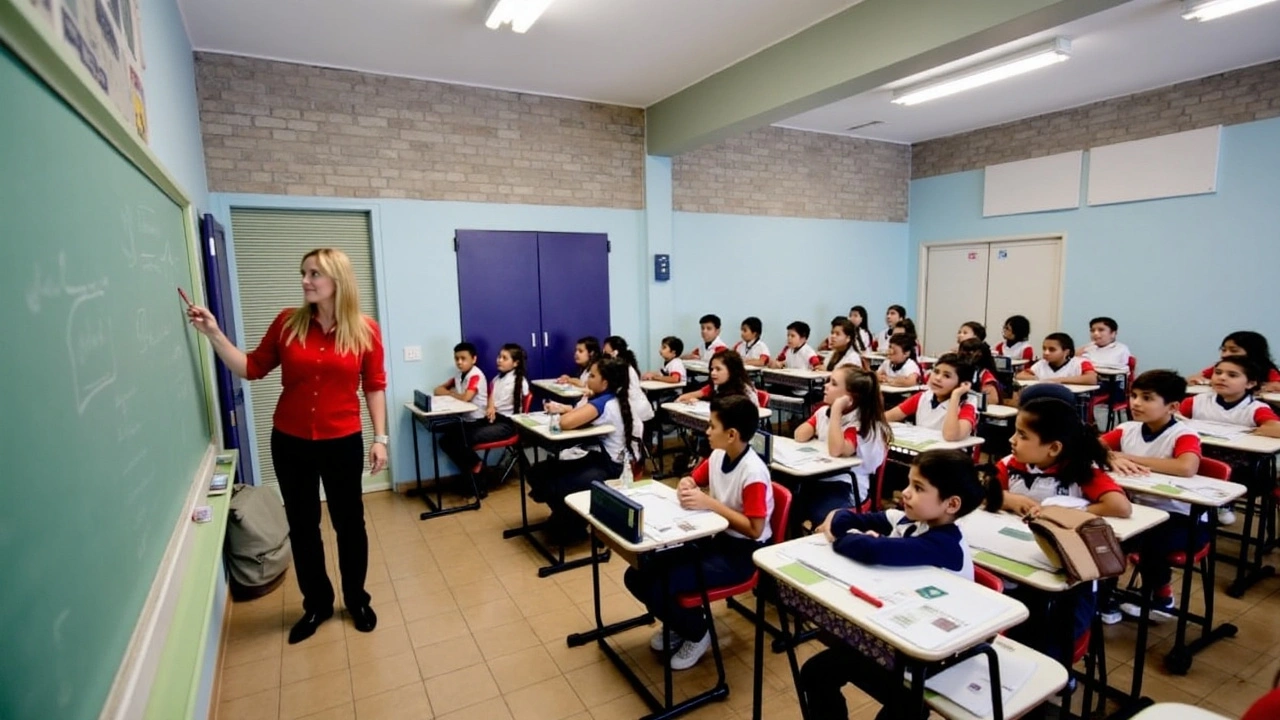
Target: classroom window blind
269, 245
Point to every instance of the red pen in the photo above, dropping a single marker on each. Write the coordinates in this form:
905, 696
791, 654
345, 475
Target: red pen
864, 595
185, 299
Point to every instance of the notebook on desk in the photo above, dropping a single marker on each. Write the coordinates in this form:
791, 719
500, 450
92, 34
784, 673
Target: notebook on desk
762, 443
616, 511
422, 401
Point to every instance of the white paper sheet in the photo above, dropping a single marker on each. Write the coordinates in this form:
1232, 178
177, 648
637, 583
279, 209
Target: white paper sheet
969, 683
1006, 536
1226, 431
794, 456
662, 517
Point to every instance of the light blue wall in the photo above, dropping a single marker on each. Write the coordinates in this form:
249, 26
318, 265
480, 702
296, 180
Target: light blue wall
173, 112
781, 270
417, 284
1177, 274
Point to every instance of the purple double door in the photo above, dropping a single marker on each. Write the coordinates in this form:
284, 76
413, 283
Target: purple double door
541, 290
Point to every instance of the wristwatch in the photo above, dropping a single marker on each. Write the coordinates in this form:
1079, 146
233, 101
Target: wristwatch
381, 439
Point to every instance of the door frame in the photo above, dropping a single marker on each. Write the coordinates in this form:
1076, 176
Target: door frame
922, 275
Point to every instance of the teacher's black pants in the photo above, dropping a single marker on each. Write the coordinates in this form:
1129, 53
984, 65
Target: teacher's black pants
301, 465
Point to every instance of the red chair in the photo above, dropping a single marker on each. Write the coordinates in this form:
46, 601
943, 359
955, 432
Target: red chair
988, 580
510, 446
1116, 400
871, 502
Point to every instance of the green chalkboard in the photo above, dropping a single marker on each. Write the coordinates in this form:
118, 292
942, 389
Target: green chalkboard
104, 397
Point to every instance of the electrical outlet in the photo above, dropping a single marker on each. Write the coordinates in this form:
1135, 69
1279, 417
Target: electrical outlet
412, 353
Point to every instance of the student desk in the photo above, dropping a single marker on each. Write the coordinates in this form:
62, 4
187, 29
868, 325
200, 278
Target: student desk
1259, 454
1082, 393
696, 416
657, 387
703, 367
901, 389
983, 529
826, 600
535, 433
809, 461
444, 411
656, 546
658, 392
807, 380
911, 440
559, 391
1203, 494
1272, 398
995, 425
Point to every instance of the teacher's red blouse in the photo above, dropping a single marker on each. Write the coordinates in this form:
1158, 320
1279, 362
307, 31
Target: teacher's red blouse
320, 400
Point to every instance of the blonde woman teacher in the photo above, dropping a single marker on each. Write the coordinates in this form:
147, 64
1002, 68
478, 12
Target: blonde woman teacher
326, 351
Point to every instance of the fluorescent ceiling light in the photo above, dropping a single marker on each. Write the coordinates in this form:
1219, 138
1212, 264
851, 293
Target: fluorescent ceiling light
987, 73
1204, 10
522, 14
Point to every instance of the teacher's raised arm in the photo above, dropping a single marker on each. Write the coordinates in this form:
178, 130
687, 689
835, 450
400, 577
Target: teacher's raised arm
327, 352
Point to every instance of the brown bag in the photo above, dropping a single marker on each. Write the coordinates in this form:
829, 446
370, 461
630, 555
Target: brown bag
1082, 543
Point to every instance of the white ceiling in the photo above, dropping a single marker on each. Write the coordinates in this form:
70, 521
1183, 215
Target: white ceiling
626, 52
1137, 46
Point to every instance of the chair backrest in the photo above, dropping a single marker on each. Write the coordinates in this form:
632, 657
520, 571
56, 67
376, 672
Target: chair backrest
1003, 364
1215, 469
781, 512
527, 403
871, 502
763, 398
988, 579
1133, 368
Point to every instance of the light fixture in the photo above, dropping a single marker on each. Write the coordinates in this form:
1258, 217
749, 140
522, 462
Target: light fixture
1006, 67
1205, 10
522, 14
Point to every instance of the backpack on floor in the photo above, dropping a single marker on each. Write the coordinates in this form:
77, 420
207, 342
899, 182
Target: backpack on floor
257, 546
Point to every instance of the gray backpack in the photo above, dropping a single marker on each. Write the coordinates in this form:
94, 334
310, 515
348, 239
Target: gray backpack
257, 546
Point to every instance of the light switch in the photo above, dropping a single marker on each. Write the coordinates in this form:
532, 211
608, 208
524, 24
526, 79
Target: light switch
412, 353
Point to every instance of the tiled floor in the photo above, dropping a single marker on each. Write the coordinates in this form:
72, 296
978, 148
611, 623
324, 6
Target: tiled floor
467, 630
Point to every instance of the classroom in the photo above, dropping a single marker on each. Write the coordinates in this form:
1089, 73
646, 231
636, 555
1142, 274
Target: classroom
587, 282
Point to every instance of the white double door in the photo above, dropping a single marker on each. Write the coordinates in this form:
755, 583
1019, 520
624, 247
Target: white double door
988, 282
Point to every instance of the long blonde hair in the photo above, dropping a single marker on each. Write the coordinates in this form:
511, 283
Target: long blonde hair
353, 332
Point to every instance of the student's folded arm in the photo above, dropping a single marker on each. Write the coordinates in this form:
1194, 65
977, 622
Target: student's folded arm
931, 548
805, 432
1113, 503
1270, 428
580, 416
895, 415
846, 520
954, 426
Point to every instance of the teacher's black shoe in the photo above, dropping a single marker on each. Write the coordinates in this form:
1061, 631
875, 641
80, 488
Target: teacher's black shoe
363, 618
306, 627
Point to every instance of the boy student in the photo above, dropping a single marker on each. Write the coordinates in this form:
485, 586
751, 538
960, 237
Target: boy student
1105, 349
738, 489
469, 385
942, 487
672, 366
1156, 441
797, 355
709, 327
751, 348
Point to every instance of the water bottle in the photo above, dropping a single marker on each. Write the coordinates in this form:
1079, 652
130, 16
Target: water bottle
555, 423
627, 478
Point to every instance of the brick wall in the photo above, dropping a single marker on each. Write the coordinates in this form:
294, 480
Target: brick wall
283, 128
776, 171
1229, 98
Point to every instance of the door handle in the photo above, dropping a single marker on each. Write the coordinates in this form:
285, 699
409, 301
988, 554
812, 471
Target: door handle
533, 339
545, 341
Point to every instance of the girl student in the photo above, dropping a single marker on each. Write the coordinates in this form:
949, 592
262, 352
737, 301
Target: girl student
1059, 363
970, 330
943, 404
977, 353
1015, 344
616, 347
851, 423
609, 404
507, 392
907, 326
1235, 382
942, 487
1252, 345
841, 343
862, 340
585, 352
1056, 460
728, 377
899, 368
892, 316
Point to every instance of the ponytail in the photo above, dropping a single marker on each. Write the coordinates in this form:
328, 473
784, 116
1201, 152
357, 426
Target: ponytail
517, 394
617, 376
624, 353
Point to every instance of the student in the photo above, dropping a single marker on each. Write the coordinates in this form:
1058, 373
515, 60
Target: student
852, 396
841, 343
1252, 345
507, 392
709, 328
616, 347
751, 347
469, 384
1016, 331
1155, 441
672, 366
970, 330
942, 487
1056, 459
578, 467
1235, 381
944, 404
739, 490
899, 368
907, 326
797, 355
728, 377
585, 353
1104, 348
977, 353
862, 340
892, 316
1060, 364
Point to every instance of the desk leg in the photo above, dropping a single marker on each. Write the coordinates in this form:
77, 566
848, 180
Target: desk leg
1261, 500
791, 659
757, 676
437, 508
417, 464
603, 631
1178, 659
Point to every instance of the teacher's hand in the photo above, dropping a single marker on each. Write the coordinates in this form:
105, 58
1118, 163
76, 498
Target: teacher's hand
377, 458
202, 320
